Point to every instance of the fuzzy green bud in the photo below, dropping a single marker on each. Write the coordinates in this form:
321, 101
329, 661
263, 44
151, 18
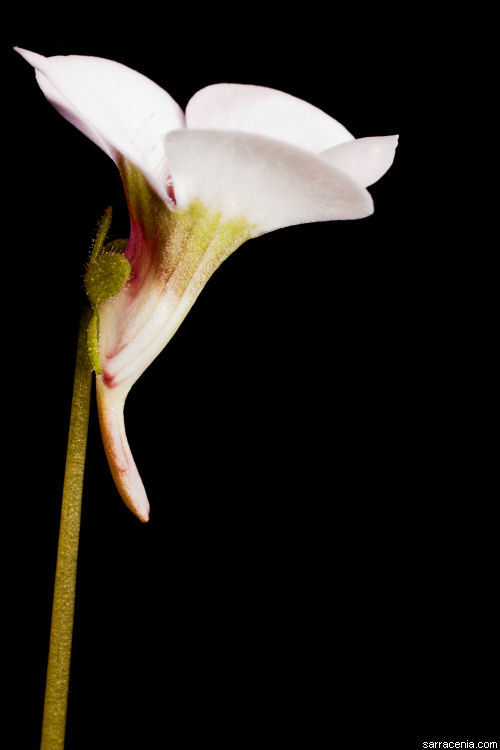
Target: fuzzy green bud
105, 277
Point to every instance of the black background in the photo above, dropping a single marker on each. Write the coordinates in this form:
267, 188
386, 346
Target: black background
320, 556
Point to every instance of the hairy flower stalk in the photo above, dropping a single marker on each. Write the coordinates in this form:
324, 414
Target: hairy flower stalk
61, 631
239, 162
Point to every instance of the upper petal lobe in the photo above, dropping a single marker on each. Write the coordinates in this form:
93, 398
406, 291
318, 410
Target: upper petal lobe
366, 160
122, 111
264, 111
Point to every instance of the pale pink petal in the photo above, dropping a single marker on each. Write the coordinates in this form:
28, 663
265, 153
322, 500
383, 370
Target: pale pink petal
264, 111
269, 183
63, 106
365, 159
119, 109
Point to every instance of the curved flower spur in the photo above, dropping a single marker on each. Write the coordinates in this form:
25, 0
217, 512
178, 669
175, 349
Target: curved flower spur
240, 162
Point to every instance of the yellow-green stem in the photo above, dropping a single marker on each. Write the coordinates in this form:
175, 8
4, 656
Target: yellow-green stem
61, 631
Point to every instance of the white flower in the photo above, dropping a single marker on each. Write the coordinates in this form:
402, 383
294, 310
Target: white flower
241, 161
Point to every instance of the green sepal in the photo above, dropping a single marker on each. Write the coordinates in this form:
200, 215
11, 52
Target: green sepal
101, 233
107, 273
93, 343
105, 276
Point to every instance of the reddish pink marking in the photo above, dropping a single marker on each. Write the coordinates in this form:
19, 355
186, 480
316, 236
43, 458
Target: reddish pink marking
170, 189
138, 253
108, 379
